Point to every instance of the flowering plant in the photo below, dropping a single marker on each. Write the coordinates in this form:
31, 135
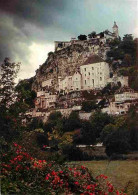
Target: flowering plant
23, 174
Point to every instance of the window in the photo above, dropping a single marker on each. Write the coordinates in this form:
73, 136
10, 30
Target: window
93, 81
85, 75
85, 82
92, 68
89, 73
85, 69
100, 78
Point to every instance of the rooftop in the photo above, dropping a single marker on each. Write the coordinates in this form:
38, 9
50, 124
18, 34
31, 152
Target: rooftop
93, 59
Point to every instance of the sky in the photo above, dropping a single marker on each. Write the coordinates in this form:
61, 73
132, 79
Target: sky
28, 28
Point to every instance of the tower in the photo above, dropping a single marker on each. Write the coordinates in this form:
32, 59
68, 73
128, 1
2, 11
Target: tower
115, 30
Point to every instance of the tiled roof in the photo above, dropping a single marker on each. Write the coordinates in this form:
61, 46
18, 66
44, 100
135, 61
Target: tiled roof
124, 89
93, 59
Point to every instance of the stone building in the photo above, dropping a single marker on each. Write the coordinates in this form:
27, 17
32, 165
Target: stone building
93, 74
123, 80
45, 100
124, 99
92, 42
115, 30
125, 95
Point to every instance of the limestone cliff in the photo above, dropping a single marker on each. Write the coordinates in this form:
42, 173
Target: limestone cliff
64, 62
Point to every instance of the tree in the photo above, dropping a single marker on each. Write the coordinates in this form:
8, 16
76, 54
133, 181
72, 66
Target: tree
107, 130
128, 37
9, 125
55, 116
87, 132
82, 37
101, 34
92, 35
72, 122
102, 103
99, 120
50, 53
117, 142
88, 106
7, 82
25, 93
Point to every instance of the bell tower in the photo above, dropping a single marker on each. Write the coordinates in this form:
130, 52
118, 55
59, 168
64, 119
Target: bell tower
115, 30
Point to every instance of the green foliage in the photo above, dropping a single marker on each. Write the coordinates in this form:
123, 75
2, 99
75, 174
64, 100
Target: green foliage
73, 122
132, 73
114, 43
42, 139
55, 116
92, 35
88, 106
110, 89
124, 50
87, 134
25, 93
82, 37
35, 124
55, 121
10, 121
133, 78
9, 72
117, 142
123, 135
99, 120
107, 130
88, 95
50, 53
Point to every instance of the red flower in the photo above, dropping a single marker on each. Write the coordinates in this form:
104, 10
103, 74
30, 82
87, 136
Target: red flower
46, 178
53, 173
15, 144
76, 183
44, 146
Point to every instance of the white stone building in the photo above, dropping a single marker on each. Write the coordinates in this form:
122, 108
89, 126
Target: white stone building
95, 73
122, 97
123, 101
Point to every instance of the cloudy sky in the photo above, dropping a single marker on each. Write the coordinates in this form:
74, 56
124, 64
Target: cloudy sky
28, 28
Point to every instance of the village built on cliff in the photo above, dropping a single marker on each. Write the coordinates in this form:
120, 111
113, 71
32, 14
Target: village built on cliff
90, 73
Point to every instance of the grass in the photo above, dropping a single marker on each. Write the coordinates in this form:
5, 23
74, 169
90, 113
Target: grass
120, 173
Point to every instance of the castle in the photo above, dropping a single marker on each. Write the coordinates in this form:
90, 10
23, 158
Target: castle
98, 38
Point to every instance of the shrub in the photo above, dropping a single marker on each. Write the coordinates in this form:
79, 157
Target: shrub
87, 106
117, 143
22, 174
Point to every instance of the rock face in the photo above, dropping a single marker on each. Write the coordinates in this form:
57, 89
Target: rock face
65, 62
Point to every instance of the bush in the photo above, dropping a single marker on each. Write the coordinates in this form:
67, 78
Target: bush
117, 143
72, 122
88, 106
22, 174
99, 120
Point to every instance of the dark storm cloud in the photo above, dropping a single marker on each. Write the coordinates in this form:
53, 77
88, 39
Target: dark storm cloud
39, 12
25, 21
